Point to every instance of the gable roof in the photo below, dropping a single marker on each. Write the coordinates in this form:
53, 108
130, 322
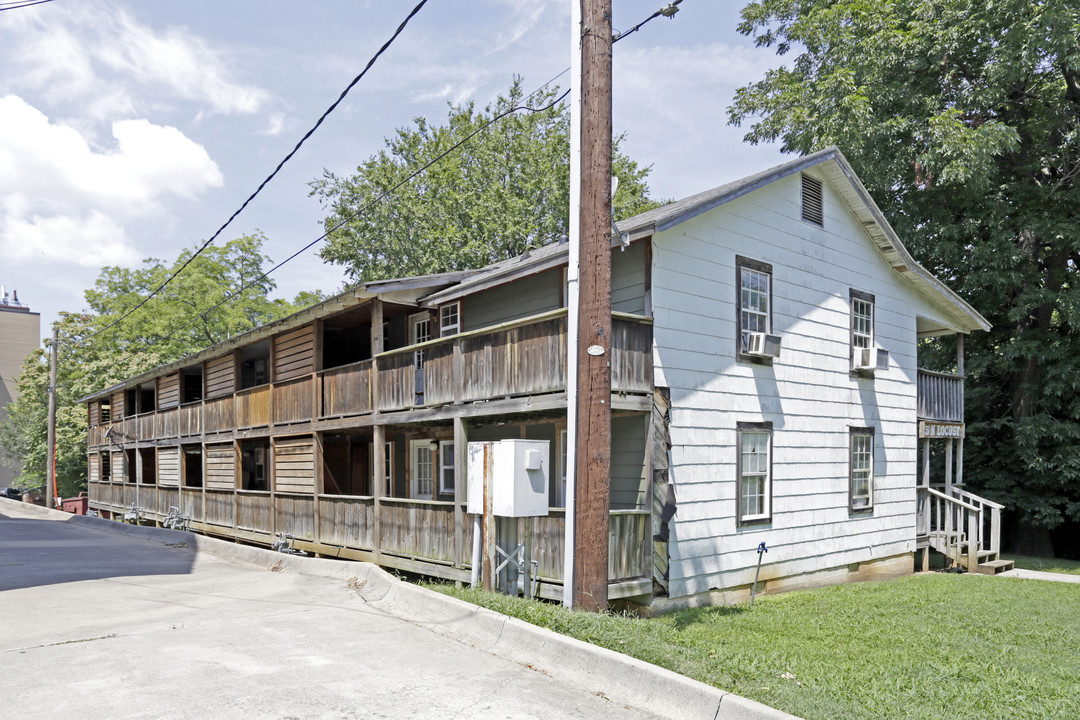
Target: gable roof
843, 178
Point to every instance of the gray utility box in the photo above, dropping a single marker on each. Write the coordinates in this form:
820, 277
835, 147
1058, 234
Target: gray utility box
518, 473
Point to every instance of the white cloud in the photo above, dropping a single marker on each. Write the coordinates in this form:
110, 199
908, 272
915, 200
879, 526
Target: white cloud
90, 240
98, 53
63, 200
56, 164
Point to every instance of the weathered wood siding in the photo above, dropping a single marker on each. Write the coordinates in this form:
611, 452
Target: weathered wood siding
808, 393
628, 279
294, 464
168, 391
294, 353
220, 466
221, 376
519, 299
168, 466
116, 405
118, 463
94, 468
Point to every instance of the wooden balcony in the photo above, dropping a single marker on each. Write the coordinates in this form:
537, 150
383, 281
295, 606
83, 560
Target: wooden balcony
517, 359
941, 397
413, 535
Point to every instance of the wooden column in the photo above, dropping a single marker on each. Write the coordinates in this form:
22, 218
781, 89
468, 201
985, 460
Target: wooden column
960, 443
489, 524
926, 462
461, 470
593, 461
379, 462
317, 483
378, 344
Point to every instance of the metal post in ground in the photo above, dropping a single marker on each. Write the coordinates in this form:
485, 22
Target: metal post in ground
761, 550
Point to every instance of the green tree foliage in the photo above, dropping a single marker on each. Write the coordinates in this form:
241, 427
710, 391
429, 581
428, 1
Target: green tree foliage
177, 322
961, 118
503, 192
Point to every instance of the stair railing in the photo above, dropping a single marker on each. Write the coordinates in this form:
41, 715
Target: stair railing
955, 524
989, 520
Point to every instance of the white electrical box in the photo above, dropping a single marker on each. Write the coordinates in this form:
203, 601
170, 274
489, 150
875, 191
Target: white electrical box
518, 473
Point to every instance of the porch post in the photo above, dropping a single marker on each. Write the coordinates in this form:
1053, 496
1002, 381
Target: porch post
461, 471
379, 451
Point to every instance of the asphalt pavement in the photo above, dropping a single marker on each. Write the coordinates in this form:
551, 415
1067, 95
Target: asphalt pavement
103, 620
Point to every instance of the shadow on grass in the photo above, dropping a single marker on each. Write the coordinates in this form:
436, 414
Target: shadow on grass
681, 619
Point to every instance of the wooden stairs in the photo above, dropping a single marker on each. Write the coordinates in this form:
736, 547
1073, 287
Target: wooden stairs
963, 527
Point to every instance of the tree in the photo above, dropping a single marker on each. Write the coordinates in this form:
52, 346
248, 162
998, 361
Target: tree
179, 321
962, 120
504, 191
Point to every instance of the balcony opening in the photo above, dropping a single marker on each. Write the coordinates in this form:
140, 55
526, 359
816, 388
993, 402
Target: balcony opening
346, 337
346, 464
254, 364
193, 466
148, 462
191, 384
253, 464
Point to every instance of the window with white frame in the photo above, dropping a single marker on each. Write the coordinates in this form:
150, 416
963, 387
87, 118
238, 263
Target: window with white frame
754, 299
446, 468
861, 484
450, 319
754, 470
423, 469
862, 320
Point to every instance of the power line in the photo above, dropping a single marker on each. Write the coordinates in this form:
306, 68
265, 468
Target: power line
21, 4
269, 177
353, 215
667, 11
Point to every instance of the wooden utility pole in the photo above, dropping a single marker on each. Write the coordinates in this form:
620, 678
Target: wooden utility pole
593, 461
50, 461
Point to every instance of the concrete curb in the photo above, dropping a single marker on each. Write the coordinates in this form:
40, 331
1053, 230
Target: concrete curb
618, 677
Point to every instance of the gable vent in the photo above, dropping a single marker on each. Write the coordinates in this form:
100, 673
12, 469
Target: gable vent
811, 200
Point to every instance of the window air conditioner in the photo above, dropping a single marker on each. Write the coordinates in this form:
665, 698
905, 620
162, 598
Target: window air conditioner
871, 359
762, 345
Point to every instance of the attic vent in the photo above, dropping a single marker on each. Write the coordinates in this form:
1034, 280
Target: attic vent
811, 200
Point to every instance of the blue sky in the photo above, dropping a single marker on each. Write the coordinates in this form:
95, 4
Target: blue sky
134, 129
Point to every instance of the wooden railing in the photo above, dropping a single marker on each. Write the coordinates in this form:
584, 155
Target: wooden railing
963, 526
347, 521
294, 400
525, 357
413, 530
253, 407
295, 515
941, 396
346, 390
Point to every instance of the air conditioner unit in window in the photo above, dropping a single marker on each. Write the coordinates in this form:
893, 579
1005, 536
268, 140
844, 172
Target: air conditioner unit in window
870, 359
762, 345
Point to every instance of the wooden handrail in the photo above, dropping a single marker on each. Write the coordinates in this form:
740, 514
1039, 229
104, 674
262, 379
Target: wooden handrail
954, 501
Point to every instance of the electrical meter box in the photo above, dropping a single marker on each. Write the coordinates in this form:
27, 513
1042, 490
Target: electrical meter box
518, 471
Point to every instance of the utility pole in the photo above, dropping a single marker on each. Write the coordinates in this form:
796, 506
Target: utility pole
593, 457
50, 461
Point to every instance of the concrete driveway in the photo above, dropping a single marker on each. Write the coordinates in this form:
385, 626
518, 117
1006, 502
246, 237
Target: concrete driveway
94, 624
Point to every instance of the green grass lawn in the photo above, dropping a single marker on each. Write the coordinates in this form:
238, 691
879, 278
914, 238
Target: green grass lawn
1027, 562
927, 646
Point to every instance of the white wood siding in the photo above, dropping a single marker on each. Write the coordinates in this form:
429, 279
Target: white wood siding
808, 393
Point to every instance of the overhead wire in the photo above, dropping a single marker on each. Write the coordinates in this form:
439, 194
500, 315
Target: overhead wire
269, 177
22, 4
668, 11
